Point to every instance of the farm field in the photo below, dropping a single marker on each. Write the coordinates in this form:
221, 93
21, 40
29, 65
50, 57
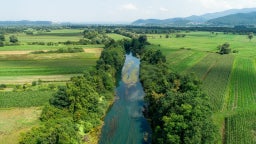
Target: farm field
14, 121
29, 79
229, 80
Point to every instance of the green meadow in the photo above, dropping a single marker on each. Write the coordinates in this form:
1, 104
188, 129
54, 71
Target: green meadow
228, 79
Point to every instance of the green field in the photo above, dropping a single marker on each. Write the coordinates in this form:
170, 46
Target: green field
229, 80
20, 102
14, 121
117, 36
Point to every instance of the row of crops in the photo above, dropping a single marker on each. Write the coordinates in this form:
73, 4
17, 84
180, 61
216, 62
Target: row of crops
242, 85
24, 99
230, 83
240, 128
214, 70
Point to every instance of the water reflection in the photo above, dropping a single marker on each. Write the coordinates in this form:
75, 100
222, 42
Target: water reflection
125, 123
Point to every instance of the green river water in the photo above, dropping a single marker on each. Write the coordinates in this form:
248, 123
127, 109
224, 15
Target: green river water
124, 122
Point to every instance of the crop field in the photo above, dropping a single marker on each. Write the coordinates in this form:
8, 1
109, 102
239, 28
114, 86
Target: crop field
22, 63
242, 85
240, 128
14, 121
24, 99
229, 80
117, 36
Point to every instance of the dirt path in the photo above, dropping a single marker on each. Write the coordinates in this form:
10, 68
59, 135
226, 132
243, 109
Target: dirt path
29, 79
14, 52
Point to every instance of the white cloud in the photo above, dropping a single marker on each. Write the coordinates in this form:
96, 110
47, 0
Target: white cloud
129, 6
163, 9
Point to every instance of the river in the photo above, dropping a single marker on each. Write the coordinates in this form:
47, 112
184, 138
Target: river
124, 122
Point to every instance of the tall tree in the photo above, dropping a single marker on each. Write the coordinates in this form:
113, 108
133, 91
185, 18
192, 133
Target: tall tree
13, 39
2, 38
250, 36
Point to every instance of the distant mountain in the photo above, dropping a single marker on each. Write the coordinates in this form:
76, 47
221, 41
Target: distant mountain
25, 22
192, 20
210, 16
172, 21
235, 19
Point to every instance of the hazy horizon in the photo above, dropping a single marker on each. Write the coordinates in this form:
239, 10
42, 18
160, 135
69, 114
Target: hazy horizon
112, 11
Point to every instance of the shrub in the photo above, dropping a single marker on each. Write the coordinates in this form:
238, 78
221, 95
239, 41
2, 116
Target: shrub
2, 86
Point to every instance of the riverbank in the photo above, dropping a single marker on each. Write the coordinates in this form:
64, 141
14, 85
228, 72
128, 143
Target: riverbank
93, 137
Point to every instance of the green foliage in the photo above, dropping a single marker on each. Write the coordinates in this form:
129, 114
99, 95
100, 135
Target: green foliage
250, 36
61, 50
13, 39
60, 99
96, 36
112, 58
2, 86
154, 57
55, 131
180, 35
2, 37
179, 111
1, 43
224, 48
51, 112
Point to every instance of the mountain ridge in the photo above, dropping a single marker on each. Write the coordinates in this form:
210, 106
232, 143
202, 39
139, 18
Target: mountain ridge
193, 19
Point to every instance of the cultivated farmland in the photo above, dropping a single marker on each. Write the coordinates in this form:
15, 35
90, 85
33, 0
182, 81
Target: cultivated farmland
229, 80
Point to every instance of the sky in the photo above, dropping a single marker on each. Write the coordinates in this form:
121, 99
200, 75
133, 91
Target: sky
112, 11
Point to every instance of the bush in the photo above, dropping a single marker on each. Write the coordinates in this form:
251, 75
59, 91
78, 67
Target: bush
235, 51
34, 83
2, 86
1, 43
224, 48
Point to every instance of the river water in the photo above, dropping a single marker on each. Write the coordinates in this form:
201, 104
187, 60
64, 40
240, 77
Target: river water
125, 123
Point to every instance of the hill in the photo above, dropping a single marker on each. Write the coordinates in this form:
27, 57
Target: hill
235, 19
191, 20
172, 21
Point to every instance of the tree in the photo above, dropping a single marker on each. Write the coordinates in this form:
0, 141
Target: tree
1, 43
2, 38
13, 39
224, 48
250, 36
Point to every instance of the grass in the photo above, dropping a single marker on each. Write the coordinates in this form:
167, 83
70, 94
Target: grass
25, 47
15, 121
116, 36
229, 80
24, 99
